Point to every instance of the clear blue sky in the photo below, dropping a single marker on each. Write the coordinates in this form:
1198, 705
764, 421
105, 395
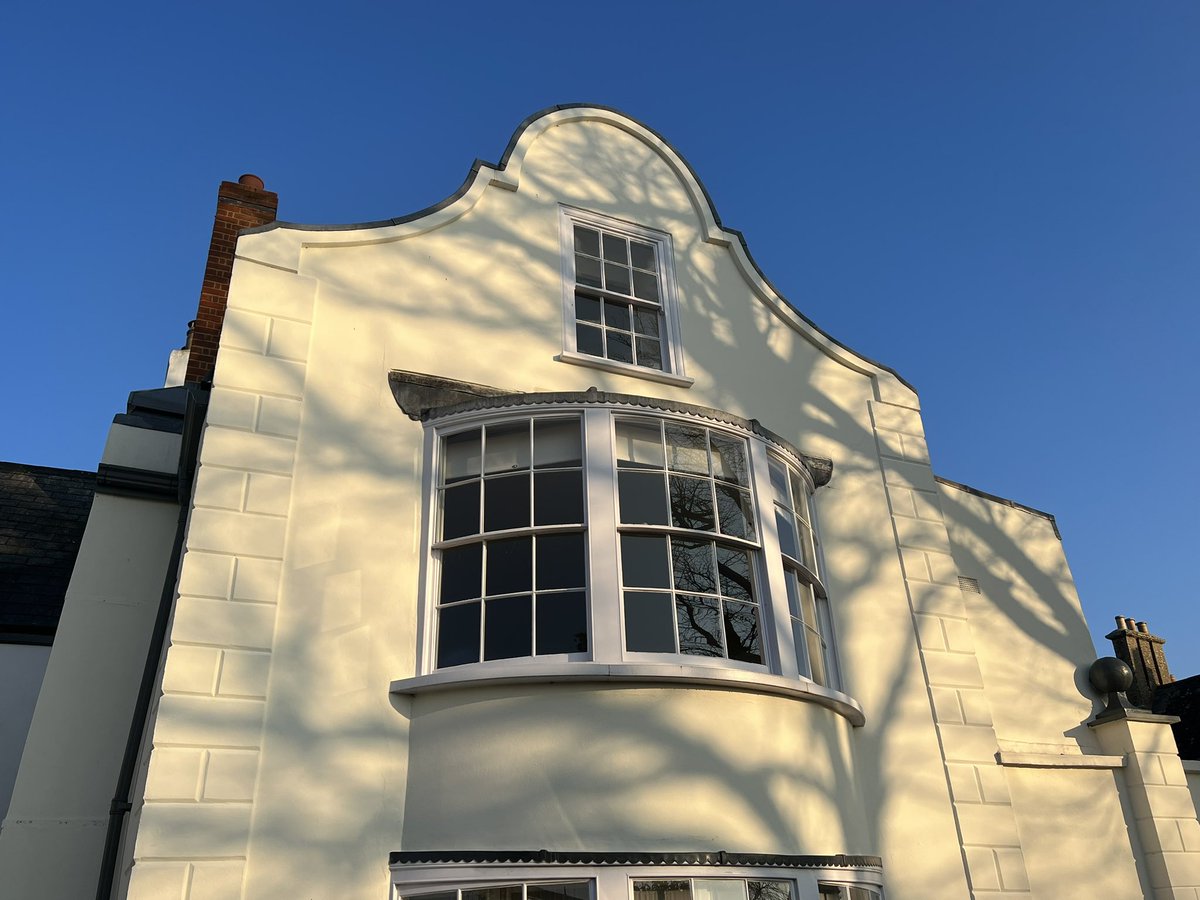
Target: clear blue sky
999, 200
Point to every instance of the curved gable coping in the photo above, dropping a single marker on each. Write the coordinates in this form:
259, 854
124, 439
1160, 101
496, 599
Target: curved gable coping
507, 173
820, 469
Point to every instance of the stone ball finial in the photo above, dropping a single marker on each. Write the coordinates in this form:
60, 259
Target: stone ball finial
1109, 675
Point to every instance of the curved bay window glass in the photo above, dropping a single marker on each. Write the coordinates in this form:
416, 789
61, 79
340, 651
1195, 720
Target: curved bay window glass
512, 542
807, 605
687, 541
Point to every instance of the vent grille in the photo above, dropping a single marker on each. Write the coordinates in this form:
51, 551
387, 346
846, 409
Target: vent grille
968, 585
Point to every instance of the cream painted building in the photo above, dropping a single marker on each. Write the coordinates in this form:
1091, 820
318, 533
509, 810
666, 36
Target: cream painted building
532, 546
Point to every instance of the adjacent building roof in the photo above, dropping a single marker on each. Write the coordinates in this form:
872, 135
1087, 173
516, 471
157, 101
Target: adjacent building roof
43, 512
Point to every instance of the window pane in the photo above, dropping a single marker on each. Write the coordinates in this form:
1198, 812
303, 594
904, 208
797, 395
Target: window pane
687, 449
733, 569
437, 895
558, 498
787, 534
614, 249
560, 561
742, 634
644, 561
616, 278
462, 456
561, 628
506, 892
649, 353
506, 502
508, 629
692, 564
806, 546
816, 656
645, 321
620, 346
642, 255
691, 503
589, 340
799, 495
779, 482
699, 620
616, 315
575, 891
662, 890
639, 445
645, 286
770, 890
648, 627
718, 889
735, 512
556, 443
587, 309
462, 573
729, 460
643, 498
587, 271
458, 635
587, 241
506, 447
509, 566
460, 511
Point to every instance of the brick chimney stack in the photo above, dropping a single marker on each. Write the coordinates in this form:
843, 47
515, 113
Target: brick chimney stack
1143, 653
246, 204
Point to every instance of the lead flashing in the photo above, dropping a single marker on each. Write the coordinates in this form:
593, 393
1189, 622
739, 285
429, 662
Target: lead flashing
996, 498
637, 858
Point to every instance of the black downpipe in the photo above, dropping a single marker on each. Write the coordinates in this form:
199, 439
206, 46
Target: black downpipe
122, 804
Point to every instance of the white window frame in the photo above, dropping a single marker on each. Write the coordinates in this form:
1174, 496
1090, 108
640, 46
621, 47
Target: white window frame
673, 357
615, 882
606, 657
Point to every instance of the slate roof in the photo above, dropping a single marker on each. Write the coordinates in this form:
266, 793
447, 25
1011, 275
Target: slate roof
1182, 698
42, 515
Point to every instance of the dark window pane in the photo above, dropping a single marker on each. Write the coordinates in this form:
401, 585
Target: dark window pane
556, 443
577, 890
799, 495
806, 545
642, 255
616, 315
435, 895
733, 568
779, 482
639, 445
616, 278
662, 890
614, 249
643, 498
561, 625
506, 447
560, 561
770, 890
587, 309
587, 241
787, 534
504, 892
735, 512
729, 460
460, 511
816, 655
462, 573
462, 456
649, 353
506, 502
687, 449
700, 629
644, 561
458, 635
648, 627
691, 503
620, 346
509, 566
645, 286
508, 628
692, 562
587, 271
645, 321
588, 340
742, 634
558, 498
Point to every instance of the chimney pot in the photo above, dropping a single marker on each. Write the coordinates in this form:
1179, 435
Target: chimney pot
1143, 628
252, 181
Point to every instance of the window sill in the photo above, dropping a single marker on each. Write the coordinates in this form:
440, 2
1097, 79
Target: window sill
634, 673
596, 362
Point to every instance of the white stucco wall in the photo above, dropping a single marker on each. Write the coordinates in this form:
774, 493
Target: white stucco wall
21, 669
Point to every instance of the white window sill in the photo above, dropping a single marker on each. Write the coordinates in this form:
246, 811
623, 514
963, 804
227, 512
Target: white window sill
598, 362
639, 673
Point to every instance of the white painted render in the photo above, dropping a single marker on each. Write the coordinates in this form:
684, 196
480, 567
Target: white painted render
22, 667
